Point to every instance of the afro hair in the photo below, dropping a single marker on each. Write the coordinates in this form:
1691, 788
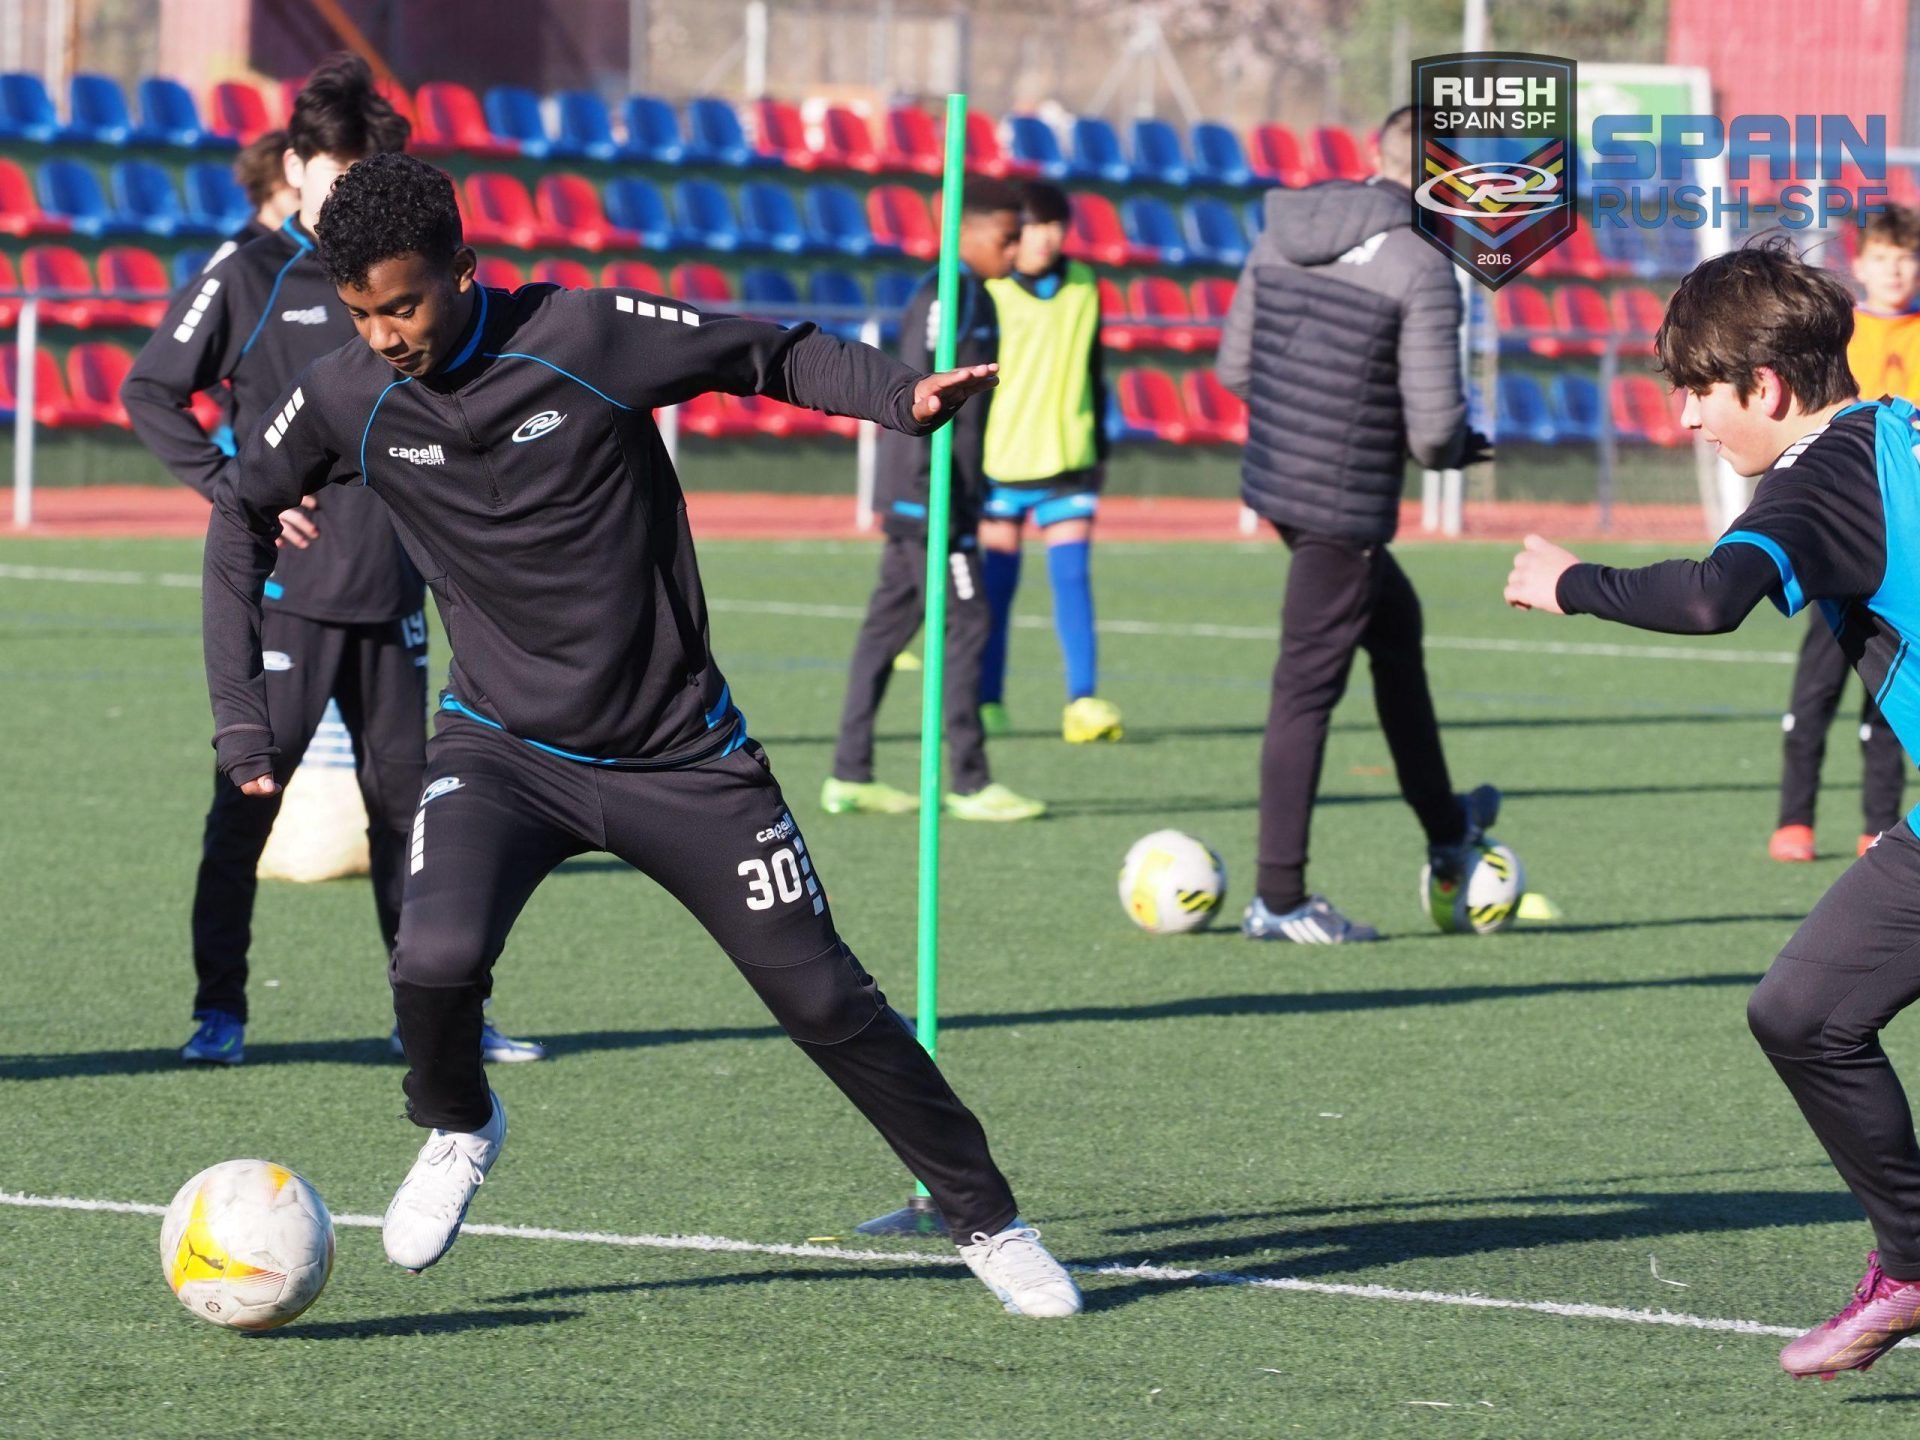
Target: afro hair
385, 207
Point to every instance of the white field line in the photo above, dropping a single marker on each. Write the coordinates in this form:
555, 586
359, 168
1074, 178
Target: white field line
1169, 1275
1265, 634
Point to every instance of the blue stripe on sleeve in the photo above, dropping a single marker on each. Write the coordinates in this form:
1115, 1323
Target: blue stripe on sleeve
1791, 599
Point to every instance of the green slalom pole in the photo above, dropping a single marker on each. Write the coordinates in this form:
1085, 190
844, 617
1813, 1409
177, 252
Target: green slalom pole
920, 1217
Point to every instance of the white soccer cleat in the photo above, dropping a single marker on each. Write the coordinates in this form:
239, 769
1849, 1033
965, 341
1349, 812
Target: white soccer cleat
1016, 1267
424, 1219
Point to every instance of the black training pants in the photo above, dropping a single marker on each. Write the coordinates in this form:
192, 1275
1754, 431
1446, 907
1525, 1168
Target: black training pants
894, 615
498, 815
378, 674
1341, 597
1849, 969
1817, 682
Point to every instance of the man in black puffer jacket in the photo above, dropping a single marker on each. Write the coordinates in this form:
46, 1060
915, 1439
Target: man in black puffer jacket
1344, 341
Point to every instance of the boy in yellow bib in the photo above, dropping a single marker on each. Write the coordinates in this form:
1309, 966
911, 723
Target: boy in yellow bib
1045, 446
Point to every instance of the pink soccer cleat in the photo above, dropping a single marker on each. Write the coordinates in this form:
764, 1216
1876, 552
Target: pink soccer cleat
1882, 1313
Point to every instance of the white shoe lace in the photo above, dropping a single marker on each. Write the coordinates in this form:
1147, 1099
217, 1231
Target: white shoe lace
437, 1187
1018, 1257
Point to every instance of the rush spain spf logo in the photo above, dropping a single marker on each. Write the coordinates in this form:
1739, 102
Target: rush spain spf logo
1493, 159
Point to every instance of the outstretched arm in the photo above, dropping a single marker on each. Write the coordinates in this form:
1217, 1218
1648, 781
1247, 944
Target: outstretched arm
1676, 597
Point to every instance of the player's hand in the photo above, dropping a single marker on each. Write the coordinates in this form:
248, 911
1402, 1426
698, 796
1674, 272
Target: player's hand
259, 785
948, 391
295, 528
1477, 451
1534, 583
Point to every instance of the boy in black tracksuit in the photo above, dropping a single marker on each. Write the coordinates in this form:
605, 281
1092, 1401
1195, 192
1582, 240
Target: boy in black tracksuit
989, 236
512, 439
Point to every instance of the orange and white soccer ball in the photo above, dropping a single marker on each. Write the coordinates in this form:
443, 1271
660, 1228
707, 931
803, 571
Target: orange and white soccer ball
1171, 883
247, 1243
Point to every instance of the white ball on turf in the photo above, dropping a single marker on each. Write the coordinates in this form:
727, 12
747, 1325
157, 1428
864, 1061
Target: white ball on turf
1486, 902
247, 1243
1171, 883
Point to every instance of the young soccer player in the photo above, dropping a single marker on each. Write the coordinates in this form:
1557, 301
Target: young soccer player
511, 437
1044, 450
1884, 356
1758, 340
345, 617
989, 235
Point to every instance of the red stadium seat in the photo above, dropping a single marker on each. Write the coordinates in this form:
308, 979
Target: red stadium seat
848, 141
1117, 328
94, 373
51, 407
238, 109
1520, 306
1337, 155
708, 414
912, 141
1644, 409
20, 212
702, 283
779, 131
1578, 256
1637, 313
396, 96
9, 280
1582, 308
900, 217
1213, 405
633, 275
59, 275
448, 117
567, 274
1098, 235
1154, 297
497, 273
1149, 401
772, 417
1274, 155
985, 155
1211, 301
570, 205
131, 271
502, 210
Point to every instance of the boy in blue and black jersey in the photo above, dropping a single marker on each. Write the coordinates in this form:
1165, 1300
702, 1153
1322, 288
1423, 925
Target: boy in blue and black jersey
1758, 340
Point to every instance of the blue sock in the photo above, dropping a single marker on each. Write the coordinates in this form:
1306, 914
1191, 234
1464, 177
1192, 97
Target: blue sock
1001, 572
1073, 613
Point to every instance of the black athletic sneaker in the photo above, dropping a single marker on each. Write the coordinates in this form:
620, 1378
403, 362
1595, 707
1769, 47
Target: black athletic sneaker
1482, 808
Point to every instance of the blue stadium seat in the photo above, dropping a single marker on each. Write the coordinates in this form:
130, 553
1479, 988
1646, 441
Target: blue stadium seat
654, 133
769, 220
1218, 156
837, 221
1096, 151
1255, 212
1521, 414
1150, 222
1117, 428
99, 110
1158, 154
215, 200
705, 216
514, 114
892, 289
145, 192
71, 191
763, 285
585, 125
187, 264
26, 110
1214, 233
836, 290
638, 205
1032, 142
168, 111
1573, 402
717, 130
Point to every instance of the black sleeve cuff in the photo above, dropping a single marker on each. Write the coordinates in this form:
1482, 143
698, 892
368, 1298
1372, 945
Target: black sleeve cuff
246, 752
1578, 588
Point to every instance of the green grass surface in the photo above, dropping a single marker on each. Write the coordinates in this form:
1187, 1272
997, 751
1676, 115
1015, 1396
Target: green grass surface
1538, 1116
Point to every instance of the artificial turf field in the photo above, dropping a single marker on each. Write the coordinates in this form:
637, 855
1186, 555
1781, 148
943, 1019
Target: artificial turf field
1541, 1117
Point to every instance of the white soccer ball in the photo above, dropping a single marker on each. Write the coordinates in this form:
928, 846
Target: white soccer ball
1171, 883
1487, 902
247, 1243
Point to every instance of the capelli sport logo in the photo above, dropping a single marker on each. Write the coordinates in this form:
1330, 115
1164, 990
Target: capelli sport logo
534, 426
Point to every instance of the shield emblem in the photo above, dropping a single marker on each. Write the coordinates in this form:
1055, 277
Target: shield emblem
1494, 178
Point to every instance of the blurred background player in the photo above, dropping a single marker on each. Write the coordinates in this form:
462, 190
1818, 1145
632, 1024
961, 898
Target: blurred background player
1343, 339
989, 237
1884, 356
1045, 446
344, 614
261, 169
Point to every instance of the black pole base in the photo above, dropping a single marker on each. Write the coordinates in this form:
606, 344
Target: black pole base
920, 1216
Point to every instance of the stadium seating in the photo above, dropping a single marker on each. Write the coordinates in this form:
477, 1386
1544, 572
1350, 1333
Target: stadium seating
912, 142
236, 109
986, 155
1277, 158
1643, 410
1637, 313
892, 290
1156, 298
836, 290
1096, 152
1213, 232
769, 220
708, 415
1212, 405
1151, 225
497, 272
1520, 412
1118, 329
20, 210
51, 405
704, 284
215, 203
901, 221
72, 192
187, 264
1097, 234
1337, 155
514, 115
654, 133
1158, 154
764, 285
633, 275
567, 274
1573, 408
94, 373
1218, 156
847, 141
500, 211
781, 135
1032, 143
144, 193
27, 113
585, 124
1520, 306
168, 113
98, 107
638, 208
570, 205
837, 222
9, 302
717, 132
58, 274
448, 117
1150, 405
1212, 299
130, 270
1577, 256
705, 215
1581, 308
1255, 212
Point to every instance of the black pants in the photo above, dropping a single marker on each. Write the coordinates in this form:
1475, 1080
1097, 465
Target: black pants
378, 674
1817, 682
1846, 972
497, 816
894, 615
1342, 597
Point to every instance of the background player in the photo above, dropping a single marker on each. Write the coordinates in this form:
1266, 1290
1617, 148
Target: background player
989, 235
1884, 355
345, 618
1044, 449
1759, 342
512, 437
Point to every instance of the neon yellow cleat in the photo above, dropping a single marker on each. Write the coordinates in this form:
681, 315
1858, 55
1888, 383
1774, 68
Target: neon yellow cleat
907, 660
1089, 719
994, 720
850, 797
994, 802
